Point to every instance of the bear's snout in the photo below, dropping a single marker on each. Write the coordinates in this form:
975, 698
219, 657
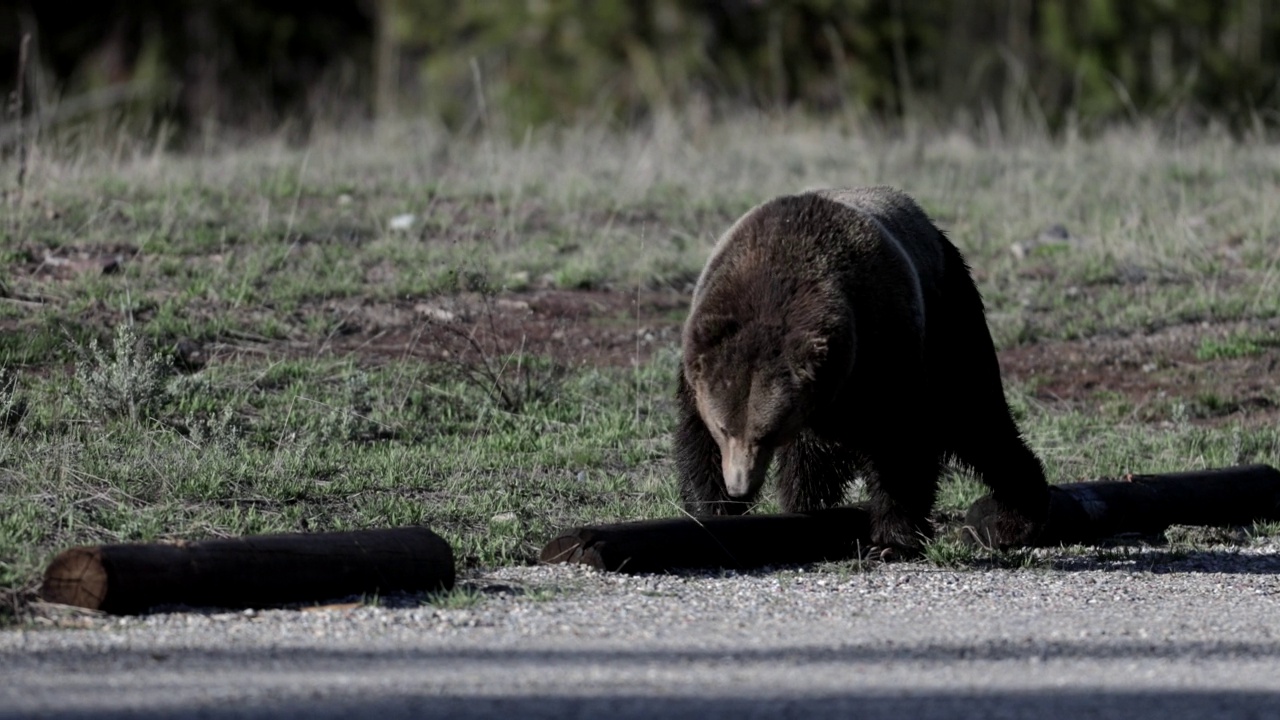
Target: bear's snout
744, 466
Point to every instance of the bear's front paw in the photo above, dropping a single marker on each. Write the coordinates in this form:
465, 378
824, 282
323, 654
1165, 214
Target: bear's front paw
996, 526
889, 553
897, 539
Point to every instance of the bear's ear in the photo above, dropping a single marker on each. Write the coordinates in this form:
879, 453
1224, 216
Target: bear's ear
805, 354
695, 366
711, 330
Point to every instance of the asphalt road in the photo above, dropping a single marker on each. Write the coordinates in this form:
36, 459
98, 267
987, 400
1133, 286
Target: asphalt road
1195, 635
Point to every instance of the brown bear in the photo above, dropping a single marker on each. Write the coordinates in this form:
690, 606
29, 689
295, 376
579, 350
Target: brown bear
841, 332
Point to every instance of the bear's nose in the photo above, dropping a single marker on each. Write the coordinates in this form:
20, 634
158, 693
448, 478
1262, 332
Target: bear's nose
735, 482
737, 476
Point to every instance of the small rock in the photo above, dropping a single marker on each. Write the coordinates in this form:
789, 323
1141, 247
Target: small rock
1131, 274
518, 280
1056, 232
188, 355
435, 313
402, 222
507, 304
1054, 236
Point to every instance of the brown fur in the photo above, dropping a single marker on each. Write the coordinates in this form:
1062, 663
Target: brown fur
840, 333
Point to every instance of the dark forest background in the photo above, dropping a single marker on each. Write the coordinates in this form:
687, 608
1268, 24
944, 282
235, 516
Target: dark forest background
1056, 64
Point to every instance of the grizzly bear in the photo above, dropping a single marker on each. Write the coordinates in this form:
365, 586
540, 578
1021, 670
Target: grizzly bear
841, 332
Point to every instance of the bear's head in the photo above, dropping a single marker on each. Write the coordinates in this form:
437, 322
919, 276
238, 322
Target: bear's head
754, 384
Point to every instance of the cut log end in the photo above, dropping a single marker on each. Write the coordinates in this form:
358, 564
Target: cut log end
76, 577
571, 548
563, 549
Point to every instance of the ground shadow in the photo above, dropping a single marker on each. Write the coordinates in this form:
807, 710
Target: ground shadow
1045, 704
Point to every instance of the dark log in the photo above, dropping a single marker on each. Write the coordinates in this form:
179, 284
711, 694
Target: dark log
254, 571
1148, 504
736, 542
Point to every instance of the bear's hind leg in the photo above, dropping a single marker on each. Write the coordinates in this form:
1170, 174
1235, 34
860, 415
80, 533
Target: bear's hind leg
813, 473
697, 459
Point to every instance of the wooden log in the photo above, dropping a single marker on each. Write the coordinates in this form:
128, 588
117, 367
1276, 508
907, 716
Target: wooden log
737, 542
253, 571
1148, 504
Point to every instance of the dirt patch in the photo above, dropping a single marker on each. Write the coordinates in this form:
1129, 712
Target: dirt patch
586, 327
71, 261
600, 328
1148, 378
1151, 374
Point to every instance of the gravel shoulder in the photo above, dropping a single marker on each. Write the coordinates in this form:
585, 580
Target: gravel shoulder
1138, 634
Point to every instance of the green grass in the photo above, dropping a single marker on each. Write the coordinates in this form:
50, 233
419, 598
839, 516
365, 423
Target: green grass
951, 551
323, 445
1235, 346
460, 597
272, 251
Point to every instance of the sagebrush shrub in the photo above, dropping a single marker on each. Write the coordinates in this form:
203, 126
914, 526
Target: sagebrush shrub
128, 383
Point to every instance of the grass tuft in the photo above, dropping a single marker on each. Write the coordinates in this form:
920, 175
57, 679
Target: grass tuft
1235, 346
13, 405
461, 597
128, 383
949, 550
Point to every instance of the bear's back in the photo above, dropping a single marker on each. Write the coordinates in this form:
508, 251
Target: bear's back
819, 259
902, 223
829, 238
